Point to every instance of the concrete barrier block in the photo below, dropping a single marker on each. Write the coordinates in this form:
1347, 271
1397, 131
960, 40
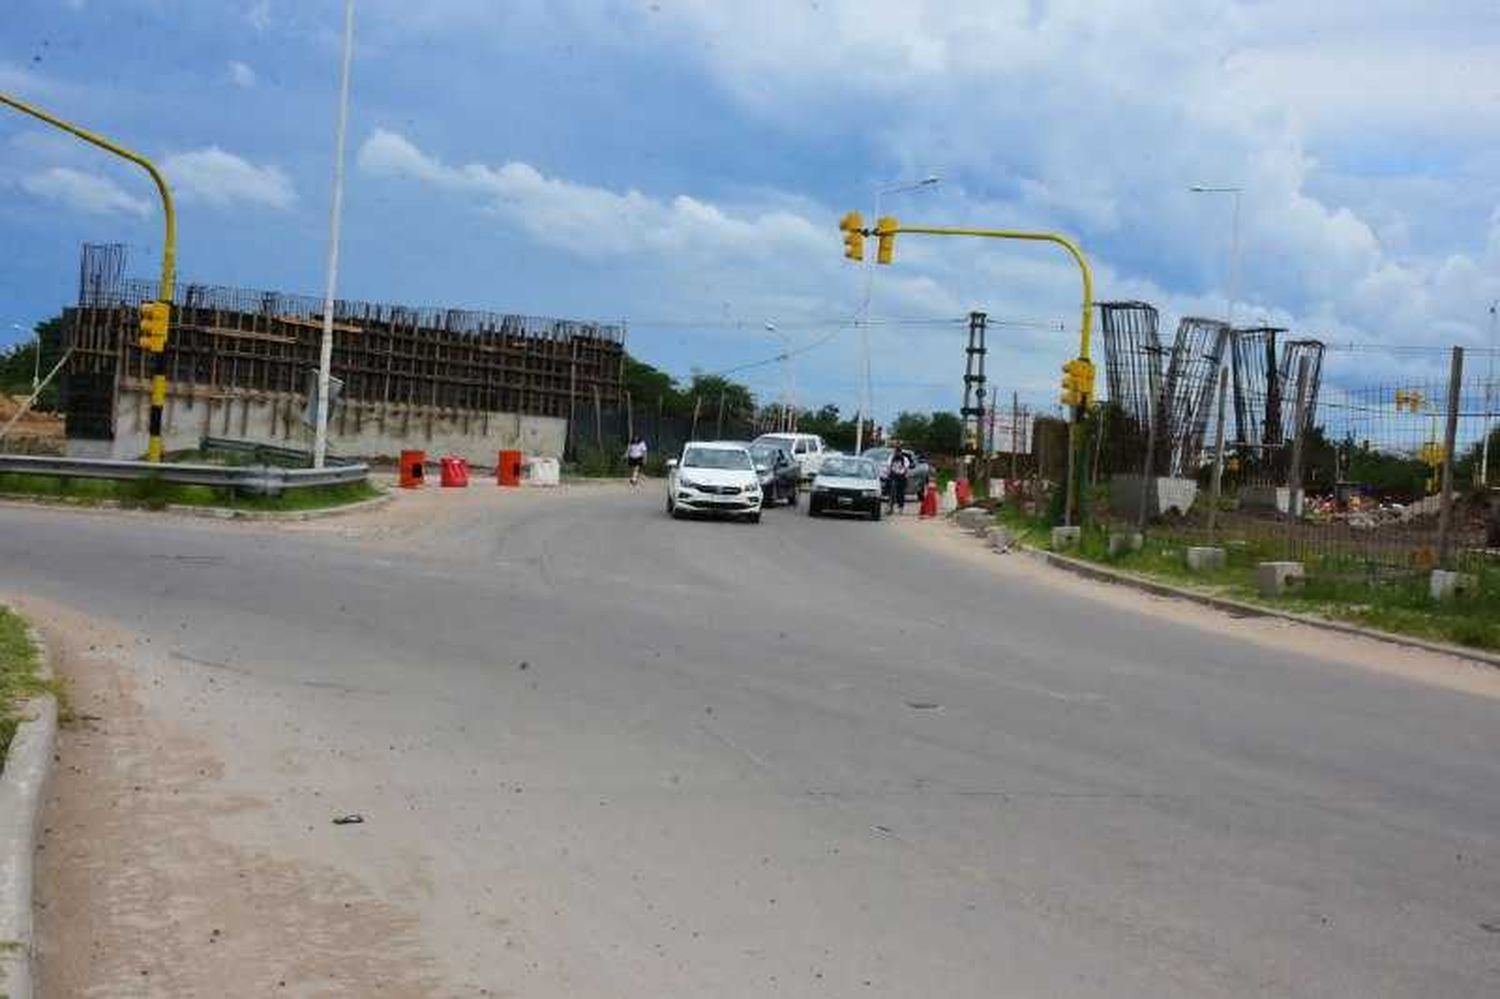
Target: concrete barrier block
1205, 558
974, 518
1445, 585
1272, 579
1000, 538
1065, 537
1124, 542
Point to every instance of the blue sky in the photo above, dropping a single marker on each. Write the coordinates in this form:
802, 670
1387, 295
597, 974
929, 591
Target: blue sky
682, 165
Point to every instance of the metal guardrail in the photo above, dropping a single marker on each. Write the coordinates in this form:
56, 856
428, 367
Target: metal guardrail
266, 480
277, 451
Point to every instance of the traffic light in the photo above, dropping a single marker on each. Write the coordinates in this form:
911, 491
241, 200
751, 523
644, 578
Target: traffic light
853, 225
885, 235
154, 319
1077, 382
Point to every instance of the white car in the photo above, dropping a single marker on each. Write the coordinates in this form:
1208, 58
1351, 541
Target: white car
714, 477
846, 485
807, 450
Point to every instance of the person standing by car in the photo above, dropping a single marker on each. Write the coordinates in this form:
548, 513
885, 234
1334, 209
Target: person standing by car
635, 456
895, 478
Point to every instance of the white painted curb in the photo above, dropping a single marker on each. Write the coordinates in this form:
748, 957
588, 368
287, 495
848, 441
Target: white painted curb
22, 788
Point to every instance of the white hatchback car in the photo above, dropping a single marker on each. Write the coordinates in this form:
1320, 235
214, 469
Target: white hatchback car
714, 477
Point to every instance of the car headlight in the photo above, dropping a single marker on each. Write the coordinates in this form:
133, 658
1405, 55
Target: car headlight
869, 493
685, 483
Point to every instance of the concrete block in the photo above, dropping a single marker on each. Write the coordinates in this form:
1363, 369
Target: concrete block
1205, 559
1274, 498
1121, 543
1272, 579
1164, 494
1065, 537
974, 518
1445, 585
1000, 538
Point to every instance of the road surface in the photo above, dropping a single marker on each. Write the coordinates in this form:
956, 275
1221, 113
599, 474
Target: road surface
601, 753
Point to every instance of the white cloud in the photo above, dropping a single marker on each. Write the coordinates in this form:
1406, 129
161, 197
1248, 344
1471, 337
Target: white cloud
214, 177
241, 75
592, 221
258, 14
84, 192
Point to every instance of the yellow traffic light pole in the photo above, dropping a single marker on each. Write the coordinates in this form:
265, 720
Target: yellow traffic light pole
155, 316
1078, 380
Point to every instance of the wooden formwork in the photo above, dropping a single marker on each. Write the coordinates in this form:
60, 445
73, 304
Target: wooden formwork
232, 342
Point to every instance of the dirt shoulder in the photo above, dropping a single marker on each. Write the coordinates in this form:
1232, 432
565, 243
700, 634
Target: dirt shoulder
142, 886
1417, 665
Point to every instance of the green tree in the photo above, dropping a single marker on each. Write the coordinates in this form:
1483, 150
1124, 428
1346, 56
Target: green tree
945, 434
912, 429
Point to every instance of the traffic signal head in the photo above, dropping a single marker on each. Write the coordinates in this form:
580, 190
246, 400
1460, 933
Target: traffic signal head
885, 238
1078, 382
154, 319
853, 225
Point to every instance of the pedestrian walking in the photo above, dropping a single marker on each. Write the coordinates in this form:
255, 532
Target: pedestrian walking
895, 477
635, 456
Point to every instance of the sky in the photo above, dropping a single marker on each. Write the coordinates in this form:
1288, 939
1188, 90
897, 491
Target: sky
682, 164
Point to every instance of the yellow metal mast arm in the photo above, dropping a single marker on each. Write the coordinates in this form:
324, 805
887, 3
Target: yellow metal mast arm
1086, 329
169, 244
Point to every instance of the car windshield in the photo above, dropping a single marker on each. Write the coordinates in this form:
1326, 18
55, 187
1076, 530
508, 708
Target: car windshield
764, 454
879, 455
716, 457
848, 468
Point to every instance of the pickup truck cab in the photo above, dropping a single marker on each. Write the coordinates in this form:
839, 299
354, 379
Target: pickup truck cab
807, 450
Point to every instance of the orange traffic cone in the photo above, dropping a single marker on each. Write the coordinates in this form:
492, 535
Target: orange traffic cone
930, 501
965, 497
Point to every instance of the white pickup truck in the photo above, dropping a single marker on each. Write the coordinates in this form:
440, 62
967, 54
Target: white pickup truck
807, 450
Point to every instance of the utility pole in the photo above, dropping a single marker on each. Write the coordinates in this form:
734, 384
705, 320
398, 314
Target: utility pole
1489, 400
325, 346
1450, 438
1294, 476
1213, 495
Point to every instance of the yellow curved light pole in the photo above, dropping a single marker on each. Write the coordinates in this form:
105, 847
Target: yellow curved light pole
154, 344
890, 228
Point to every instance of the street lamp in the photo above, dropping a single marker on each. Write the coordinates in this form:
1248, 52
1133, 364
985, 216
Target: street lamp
36, 360
865, 401
1234, 244
325, 348
788, 379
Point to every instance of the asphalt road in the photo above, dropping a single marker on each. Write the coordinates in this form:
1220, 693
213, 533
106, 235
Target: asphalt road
602, 753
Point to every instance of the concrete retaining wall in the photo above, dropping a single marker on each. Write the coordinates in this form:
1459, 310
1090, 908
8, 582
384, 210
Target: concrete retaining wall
357, 430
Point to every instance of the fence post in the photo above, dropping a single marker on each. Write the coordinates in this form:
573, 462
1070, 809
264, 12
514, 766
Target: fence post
697, 404
629, 418
1218, 483
598, 422
1148, 466
1294, 474
1450, 436
719, 432
571, 444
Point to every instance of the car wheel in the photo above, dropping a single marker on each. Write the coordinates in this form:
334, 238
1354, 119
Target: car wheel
791, 500
875, 513
812, 508
754, 518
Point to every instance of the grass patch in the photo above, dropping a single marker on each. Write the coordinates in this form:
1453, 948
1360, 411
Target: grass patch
1339, 589
153, 494
19, 681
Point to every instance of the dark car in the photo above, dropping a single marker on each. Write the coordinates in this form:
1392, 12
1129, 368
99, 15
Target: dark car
780, 475
916, 479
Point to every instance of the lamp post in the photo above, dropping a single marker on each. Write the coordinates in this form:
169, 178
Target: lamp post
325, 347
865, 401
1489, 399
788, 379
36, 360
1234, 291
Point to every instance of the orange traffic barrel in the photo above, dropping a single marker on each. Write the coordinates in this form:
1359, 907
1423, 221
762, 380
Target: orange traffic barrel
455, 472
965, 497
508, 468
413, 467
